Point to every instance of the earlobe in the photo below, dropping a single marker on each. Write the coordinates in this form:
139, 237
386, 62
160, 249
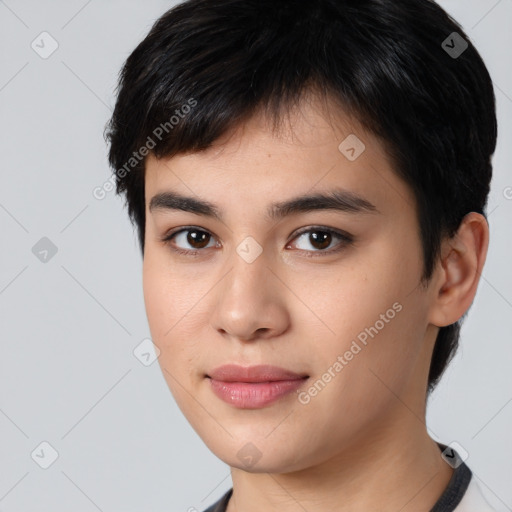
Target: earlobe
459, 269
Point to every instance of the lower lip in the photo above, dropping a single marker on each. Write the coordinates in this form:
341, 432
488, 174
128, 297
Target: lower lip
254, 395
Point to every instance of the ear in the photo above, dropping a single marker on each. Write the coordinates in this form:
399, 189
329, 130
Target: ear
458, 273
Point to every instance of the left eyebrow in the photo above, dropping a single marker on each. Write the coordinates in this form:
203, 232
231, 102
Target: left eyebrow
337, 199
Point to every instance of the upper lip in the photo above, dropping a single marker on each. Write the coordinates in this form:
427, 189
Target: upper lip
260, 373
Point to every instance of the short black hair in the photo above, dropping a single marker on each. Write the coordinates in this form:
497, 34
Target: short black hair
206, 66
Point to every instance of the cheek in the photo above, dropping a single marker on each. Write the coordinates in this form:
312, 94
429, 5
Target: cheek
175, 313
371, 314
163, 314
157, 301
168, 295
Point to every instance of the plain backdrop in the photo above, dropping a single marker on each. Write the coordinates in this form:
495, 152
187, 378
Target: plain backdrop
71, 304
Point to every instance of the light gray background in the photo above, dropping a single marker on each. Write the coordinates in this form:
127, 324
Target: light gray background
68, 375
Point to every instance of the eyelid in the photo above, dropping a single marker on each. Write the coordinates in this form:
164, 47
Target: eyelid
333, 231
169, 236
346, 239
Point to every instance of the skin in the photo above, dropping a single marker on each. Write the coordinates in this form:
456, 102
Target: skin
361, 443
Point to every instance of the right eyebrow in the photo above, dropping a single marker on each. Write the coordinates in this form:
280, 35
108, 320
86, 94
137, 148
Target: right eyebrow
169, 200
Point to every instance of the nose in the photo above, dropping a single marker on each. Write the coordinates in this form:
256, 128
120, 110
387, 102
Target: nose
250, 300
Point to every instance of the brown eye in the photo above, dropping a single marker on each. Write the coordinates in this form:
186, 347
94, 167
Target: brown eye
188, 240
320, 240
197, 239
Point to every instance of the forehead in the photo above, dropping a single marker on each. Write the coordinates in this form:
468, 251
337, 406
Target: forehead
314, 150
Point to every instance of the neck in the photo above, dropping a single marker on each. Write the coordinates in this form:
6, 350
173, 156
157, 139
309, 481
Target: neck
396, 466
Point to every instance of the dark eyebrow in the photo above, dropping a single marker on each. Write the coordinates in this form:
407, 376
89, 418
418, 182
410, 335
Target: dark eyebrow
338, 199
174, 201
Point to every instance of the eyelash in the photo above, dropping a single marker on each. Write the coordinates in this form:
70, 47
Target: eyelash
346, 240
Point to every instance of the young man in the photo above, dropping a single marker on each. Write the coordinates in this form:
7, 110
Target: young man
309, 182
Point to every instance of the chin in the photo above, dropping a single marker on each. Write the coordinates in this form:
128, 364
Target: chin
259, 456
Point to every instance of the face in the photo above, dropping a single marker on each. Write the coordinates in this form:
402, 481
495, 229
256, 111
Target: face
326, 289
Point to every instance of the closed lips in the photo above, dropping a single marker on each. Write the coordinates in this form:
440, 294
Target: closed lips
260, 373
